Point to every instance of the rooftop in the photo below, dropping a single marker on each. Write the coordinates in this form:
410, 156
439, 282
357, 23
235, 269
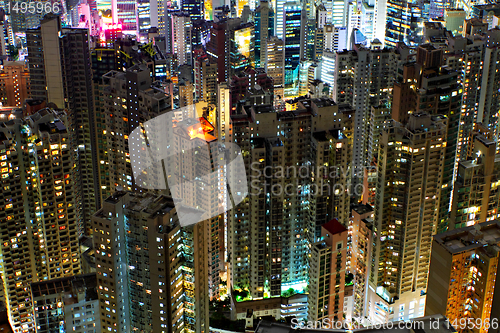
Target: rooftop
346, 108
150, 204
323, 102
486, 234
71, 287
334, 227
362, 209
115, 197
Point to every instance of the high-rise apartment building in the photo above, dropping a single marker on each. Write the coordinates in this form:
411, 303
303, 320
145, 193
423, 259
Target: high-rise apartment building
208, 192
379, 114
476, 59
370, 184
128, 99
463, 276
293, 34
68, 304
60, 73
410, 177
151, 273
331, 150
268, 246
476, 189
364, 78
186, 93
328, 274
41, 210
14, 83
182, 38
205, 78
218, 47
264, 29
248, 81
428, 86
44, 57
334, 38
275, 64
360, 241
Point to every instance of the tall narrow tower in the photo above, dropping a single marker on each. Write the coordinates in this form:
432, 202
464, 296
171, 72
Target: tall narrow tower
41, 209
60, 71
411, 168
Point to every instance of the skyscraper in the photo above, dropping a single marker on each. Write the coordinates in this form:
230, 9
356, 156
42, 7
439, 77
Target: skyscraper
268, 248
240, 4
41, 209
337, 12
359, 255
462, 275
411, 168
475, 191
328, 274
60, 73
264, 29
428, 86
218, 50
241, 47
275, 65
327, 74
364, 78
279, 9
128, 99
474, 57
151, 273
205, 78
293, 35
193, 8
182, 38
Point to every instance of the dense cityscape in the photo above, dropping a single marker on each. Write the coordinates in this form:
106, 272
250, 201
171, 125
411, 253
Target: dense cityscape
202, 166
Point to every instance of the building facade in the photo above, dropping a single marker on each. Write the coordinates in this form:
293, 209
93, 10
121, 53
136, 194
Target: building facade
407, 208
151, 273
14, 83
41, 214
68, 304
462, 276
